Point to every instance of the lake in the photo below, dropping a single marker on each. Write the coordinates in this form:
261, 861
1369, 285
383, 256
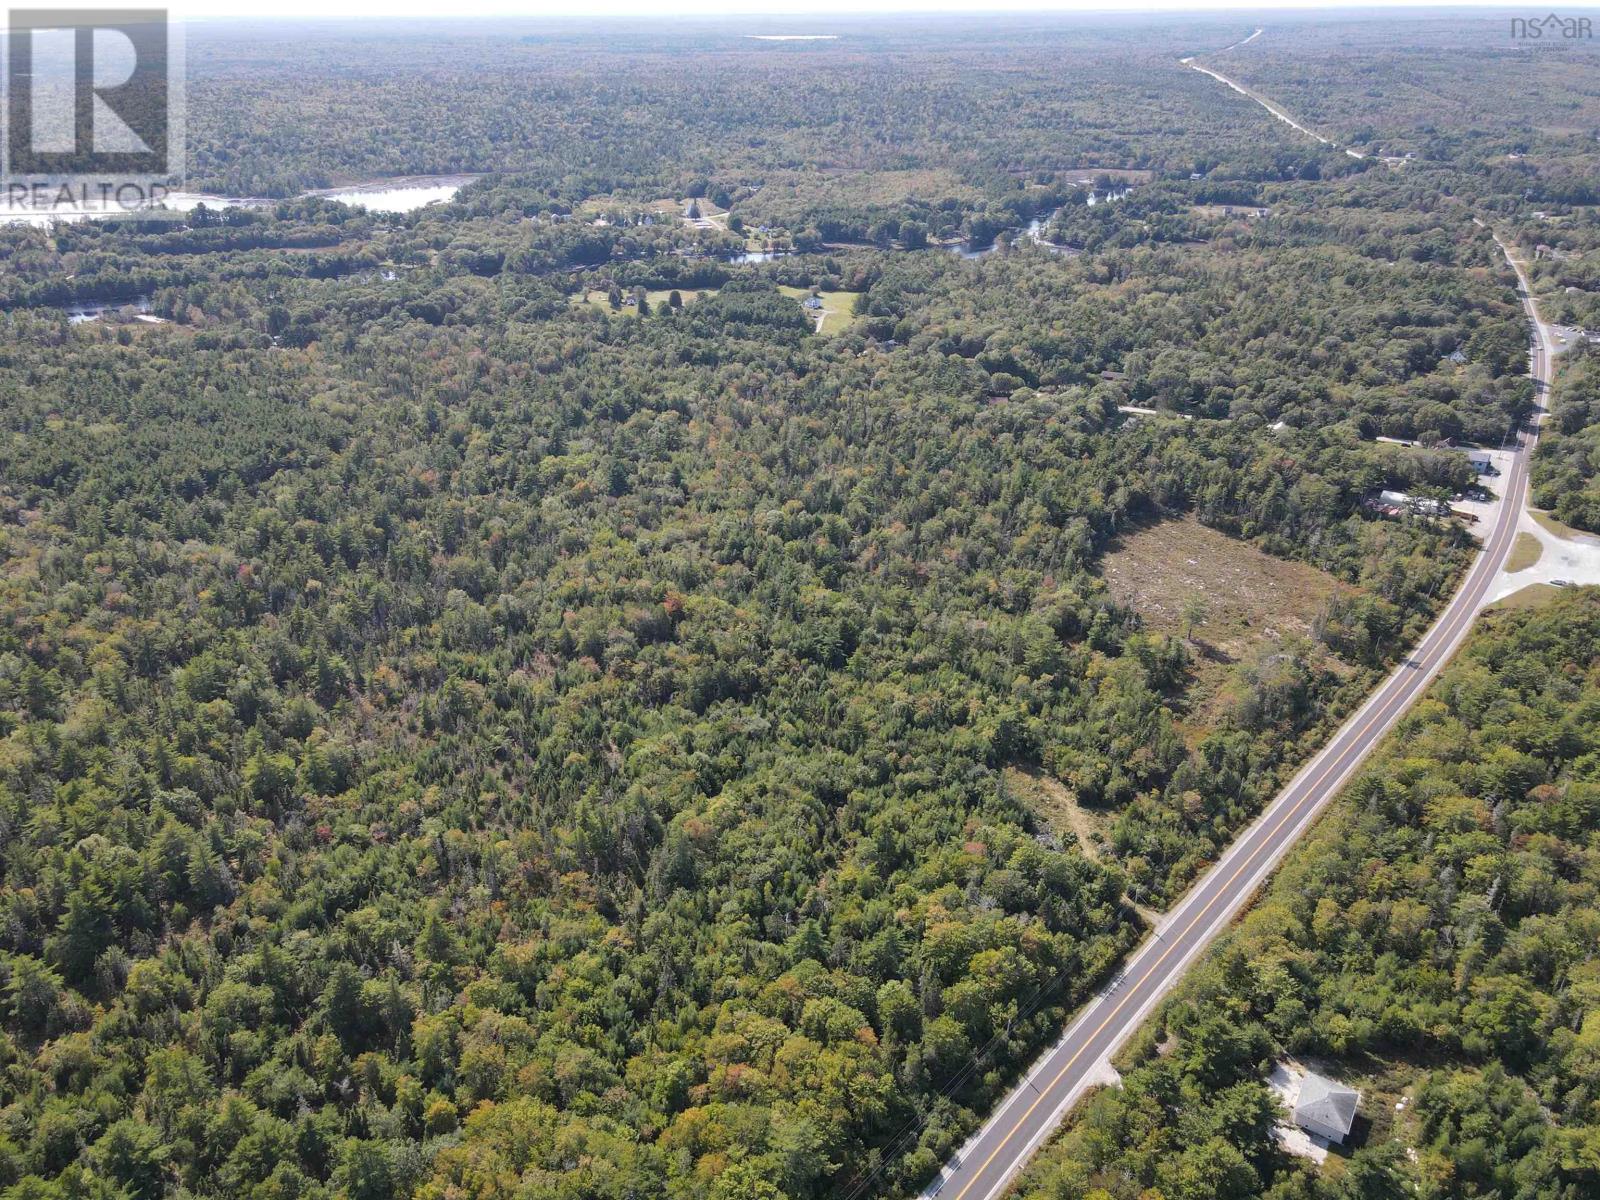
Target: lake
400, 195
80, 311
406, 193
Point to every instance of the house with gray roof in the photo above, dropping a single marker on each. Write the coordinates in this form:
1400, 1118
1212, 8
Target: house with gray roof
1326, 1108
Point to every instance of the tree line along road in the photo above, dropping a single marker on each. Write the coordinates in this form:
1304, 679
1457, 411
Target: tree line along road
1036, 1105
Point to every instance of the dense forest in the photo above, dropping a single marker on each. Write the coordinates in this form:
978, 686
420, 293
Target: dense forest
507, 699
1566, 473
1516, 128
625, 750
1513, 123
1433, 942
689, 107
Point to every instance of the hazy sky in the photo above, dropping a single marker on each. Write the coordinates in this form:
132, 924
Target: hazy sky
457, 9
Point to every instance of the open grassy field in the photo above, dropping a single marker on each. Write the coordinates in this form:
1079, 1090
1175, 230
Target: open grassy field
874, 187
786, 200
1525, 552
838, 308
597, 299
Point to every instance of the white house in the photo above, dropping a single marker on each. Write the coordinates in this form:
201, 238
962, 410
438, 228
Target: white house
1326, 1108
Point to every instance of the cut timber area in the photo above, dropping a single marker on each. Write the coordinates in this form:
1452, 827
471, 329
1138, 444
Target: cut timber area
1252, 603
1250, 597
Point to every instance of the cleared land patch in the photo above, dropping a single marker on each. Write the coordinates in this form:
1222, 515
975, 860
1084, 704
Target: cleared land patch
837, 312
1249, 596
598, 298
1055, 803
1230, 599
788, 200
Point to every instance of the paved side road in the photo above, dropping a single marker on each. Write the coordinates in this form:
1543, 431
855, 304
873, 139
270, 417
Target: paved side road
988, 1163
1272, 108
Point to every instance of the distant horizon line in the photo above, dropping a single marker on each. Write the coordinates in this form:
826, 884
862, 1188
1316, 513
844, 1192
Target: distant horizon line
599, 11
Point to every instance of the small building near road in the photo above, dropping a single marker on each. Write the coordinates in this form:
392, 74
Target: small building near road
1326, 1108
1392, 504
1481, 462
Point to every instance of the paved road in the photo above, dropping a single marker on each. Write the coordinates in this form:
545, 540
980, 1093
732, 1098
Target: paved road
1035, 1107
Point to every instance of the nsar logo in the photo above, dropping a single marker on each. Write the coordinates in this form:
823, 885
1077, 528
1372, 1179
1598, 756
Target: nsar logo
1533, 29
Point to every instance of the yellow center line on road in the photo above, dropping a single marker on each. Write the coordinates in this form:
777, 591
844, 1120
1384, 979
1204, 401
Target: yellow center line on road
1438, 639
1403, 693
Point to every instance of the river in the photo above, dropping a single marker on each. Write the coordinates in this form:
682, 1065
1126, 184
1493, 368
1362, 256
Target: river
1034, 231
